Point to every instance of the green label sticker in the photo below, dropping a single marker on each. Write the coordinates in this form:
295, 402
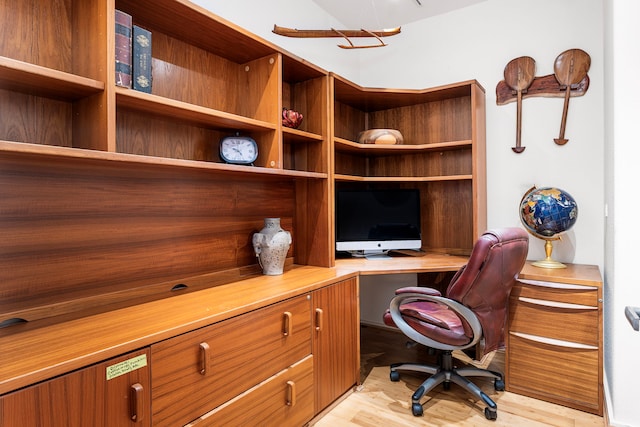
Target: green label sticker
127, 366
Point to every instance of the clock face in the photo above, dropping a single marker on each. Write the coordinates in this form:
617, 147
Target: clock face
240, 150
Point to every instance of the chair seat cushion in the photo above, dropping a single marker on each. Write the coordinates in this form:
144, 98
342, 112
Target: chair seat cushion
432, 320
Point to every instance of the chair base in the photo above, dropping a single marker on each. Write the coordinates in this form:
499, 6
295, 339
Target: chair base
445, 374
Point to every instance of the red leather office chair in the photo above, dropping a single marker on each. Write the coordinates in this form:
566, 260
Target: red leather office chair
474, 308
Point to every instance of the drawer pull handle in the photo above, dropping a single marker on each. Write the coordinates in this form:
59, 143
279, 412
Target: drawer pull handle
288, 325
555, 304
319, 316
291, 393
553, 341
136, 399
204, 358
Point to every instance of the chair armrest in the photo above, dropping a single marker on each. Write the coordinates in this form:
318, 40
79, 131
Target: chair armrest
462, 311
418, 290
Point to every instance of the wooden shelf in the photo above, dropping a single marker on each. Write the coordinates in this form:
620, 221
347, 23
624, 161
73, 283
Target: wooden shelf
183, 111
347, 146
10, 148
42, 81
353, 178
295, 135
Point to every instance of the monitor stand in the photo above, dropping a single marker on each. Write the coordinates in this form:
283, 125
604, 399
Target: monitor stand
373, 255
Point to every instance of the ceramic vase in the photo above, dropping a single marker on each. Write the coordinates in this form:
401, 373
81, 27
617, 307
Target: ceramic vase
271, 245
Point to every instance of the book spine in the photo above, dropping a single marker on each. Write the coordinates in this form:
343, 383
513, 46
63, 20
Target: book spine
123, 49
142, 76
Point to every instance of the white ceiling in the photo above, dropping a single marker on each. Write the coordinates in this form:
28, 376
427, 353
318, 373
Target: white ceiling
379, 14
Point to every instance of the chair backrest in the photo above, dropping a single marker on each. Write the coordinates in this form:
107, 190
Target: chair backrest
485, 282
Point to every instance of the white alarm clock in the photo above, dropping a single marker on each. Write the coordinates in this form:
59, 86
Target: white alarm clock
239, 150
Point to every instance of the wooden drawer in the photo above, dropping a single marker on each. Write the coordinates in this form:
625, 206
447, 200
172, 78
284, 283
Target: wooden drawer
560, 292
561, 321
198, 371
286, 399
555, 372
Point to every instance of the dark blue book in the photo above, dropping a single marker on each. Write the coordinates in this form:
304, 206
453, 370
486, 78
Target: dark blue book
141, 61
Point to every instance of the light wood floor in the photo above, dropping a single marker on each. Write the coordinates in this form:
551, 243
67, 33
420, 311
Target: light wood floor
381, 402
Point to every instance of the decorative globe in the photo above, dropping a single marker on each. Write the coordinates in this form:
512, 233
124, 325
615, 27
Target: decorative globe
546, 213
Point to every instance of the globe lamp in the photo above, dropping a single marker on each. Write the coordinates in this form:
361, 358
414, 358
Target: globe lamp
546, 213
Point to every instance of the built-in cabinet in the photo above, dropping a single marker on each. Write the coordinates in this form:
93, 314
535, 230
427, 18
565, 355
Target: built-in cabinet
207, 367
113, 393
554, 340
114, 199
443, 153
336, 340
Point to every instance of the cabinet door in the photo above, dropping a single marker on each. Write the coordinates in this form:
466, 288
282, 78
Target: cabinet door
198, 371
111, 394
336, 345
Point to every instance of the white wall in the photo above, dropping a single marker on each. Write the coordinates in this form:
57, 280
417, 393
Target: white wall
476, 43
622, 232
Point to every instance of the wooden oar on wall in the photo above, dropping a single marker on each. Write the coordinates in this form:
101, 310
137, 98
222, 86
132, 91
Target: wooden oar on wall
570, 67
346, 34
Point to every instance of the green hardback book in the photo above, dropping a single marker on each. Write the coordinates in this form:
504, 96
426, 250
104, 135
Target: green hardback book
141, 61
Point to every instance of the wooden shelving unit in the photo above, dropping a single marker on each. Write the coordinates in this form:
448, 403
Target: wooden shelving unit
443, 154
115, 200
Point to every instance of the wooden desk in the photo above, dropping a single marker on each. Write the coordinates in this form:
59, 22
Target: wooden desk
430, 262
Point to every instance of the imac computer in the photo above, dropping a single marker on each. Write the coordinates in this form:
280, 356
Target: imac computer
371, 222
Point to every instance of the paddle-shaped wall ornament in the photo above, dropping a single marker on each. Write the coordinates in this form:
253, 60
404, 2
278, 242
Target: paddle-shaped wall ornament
570, 67
570, 79
518, 74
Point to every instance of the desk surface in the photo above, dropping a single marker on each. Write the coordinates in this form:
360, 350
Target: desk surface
430, 262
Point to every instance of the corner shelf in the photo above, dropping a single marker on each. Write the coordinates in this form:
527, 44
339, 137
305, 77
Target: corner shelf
407, 179
344, 145
443, 155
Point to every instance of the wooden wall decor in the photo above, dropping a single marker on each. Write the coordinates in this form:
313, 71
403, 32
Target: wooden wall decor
518, 74
570, 80
347, 34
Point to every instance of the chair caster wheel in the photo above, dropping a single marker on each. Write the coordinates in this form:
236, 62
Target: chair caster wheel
394, 376
416, 408
490, 415
499, 385
446, 385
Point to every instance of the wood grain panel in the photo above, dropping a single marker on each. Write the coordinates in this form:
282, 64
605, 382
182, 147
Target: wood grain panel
80, 399
575, 295
445, 226
429, 164
266, 404
336, 345
348, 121
204, 78
557, 374
28, 28
36, 120
244, 351
438, 121
91, 228
570, 324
